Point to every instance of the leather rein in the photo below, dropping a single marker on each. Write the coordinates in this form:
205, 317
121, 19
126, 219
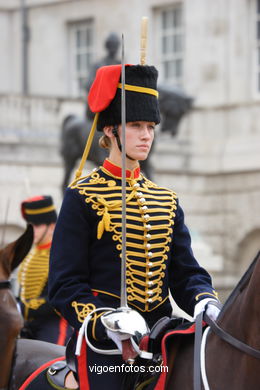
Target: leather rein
5, 284
221, 333
232, 340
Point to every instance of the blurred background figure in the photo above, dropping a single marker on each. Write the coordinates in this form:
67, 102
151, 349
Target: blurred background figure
41, 321
112, 45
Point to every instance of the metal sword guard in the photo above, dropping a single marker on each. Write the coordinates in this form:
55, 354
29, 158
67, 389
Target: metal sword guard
126, 320
122, 320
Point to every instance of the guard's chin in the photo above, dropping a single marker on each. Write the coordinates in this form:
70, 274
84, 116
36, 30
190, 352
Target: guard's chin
141, 156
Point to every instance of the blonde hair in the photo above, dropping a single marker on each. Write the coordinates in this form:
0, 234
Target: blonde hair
104, 142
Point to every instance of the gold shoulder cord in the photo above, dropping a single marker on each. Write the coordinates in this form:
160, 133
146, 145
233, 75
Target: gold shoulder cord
86, 151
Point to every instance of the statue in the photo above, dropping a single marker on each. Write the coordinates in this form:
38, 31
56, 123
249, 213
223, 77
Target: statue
173, 105
112, 44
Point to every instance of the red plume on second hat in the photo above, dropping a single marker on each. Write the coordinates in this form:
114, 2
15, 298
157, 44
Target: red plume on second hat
105, 95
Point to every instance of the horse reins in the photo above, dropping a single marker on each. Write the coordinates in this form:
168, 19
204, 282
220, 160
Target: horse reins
5, 284
221, 333
232, 340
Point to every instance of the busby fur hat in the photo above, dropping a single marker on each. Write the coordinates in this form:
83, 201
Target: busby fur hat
140, 91
39, 210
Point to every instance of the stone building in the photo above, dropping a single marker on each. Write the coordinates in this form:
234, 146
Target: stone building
209, 49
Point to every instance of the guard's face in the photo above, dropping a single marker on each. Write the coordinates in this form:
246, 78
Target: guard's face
39, 232
139, 138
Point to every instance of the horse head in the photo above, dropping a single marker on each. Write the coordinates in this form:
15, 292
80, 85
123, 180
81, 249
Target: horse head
11, 320
239, 319
241, 312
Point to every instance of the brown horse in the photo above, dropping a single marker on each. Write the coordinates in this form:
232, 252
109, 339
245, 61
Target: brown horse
227, 367
18, 358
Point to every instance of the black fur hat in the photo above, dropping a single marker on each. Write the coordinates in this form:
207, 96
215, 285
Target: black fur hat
141, 104
39, 210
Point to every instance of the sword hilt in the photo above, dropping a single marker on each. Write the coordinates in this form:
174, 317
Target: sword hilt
128, 352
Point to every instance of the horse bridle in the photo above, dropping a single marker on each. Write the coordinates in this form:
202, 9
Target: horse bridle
215, 328
5, 284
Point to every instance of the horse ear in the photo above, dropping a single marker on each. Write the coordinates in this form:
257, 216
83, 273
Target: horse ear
22, 247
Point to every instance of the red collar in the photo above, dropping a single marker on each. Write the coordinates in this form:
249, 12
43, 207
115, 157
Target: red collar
44, 246
115, 170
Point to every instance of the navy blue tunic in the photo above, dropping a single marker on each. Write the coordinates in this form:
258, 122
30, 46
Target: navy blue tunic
85, 257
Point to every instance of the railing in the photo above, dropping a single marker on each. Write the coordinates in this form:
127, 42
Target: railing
36, 117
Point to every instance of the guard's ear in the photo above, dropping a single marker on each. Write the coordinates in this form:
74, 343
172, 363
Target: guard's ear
22, 246
108, 131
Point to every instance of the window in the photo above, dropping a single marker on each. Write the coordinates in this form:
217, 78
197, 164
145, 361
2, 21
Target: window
258, 44
81, 54
171, 44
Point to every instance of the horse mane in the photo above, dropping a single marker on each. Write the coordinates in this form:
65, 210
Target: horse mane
240, 285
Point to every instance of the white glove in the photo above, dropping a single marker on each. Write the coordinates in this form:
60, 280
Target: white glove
118, 337
212, 310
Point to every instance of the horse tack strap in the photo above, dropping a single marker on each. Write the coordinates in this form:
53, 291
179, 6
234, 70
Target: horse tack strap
3, 285
231, 340
29, 381
196, 359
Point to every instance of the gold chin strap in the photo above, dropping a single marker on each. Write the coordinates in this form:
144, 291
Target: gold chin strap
136, 88
86, 150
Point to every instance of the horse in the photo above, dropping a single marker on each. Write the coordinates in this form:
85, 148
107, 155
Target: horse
227, 366
174, 104
19, 358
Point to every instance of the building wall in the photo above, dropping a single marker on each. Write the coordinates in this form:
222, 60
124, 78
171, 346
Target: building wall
219, 53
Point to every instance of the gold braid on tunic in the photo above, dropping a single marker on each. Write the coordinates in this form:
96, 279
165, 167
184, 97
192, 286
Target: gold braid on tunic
33, 276
148, 235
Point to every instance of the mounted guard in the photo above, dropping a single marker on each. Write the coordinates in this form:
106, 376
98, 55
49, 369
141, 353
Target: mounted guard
120, 244
41, 321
